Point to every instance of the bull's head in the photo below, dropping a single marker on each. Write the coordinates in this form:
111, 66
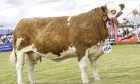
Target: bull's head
115, 12
111, 14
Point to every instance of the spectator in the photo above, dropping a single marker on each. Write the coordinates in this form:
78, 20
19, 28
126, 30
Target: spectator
1, 42
135, 32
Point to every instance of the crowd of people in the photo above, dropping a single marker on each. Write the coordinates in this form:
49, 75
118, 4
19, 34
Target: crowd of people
4, 39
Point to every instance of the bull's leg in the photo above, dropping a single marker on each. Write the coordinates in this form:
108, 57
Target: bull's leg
83, 68
19, 66
94, 67
30, 67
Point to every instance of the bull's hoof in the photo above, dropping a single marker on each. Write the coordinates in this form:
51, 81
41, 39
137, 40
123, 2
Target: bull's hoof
97, 79
85, 82
20, 83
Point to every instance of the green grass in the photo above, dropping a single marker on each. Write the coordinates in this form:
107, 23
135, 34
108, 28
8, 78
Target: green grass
121, 66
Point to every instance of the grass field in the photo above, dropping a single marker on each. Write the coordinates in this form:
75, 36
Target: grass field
121, 66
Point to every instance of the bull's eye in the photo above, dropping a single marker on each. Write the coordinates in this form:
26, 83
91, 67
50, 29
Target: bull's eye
113, 11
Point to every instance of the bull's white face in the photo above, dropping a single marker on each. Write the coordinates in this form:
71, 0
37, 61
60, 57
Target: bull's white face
112, 10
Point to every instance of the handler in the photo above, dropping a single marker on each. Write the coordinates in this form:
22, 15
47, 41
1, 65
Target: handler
135, 32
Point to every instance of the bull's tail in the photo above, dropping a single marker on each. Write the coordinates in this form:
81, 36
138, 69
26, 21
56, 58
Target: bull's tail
12, 57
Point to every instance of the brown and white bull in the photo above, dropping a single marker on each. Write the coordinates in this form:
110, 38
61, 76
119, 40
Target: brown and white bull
58, 38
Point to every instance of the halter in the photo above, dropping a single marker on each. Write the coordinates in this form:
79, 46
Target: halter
109, 22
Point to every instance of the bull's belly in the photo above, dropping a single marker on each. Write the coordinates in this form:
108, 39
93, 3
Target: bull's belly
94, 53
69, 53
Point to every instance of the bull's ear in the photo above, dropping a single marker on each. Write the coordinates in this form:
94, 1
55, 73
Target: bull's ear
104, 8
122, 6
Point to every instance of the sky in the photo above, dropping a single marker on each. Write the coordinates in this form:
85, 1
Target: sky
12, 11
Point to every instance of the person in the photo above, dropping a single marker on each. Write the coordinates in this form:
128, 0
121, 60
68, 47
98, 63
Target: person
6, 40
127, 31
1, 42
135, 20
124, 32
135, 32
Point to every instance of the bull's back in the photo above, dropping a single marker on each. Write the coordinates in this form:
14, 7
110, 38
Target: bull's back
46, 34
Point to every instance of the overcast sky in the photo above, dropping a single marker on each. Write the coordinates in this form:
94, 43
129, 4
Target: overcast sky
11, 11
